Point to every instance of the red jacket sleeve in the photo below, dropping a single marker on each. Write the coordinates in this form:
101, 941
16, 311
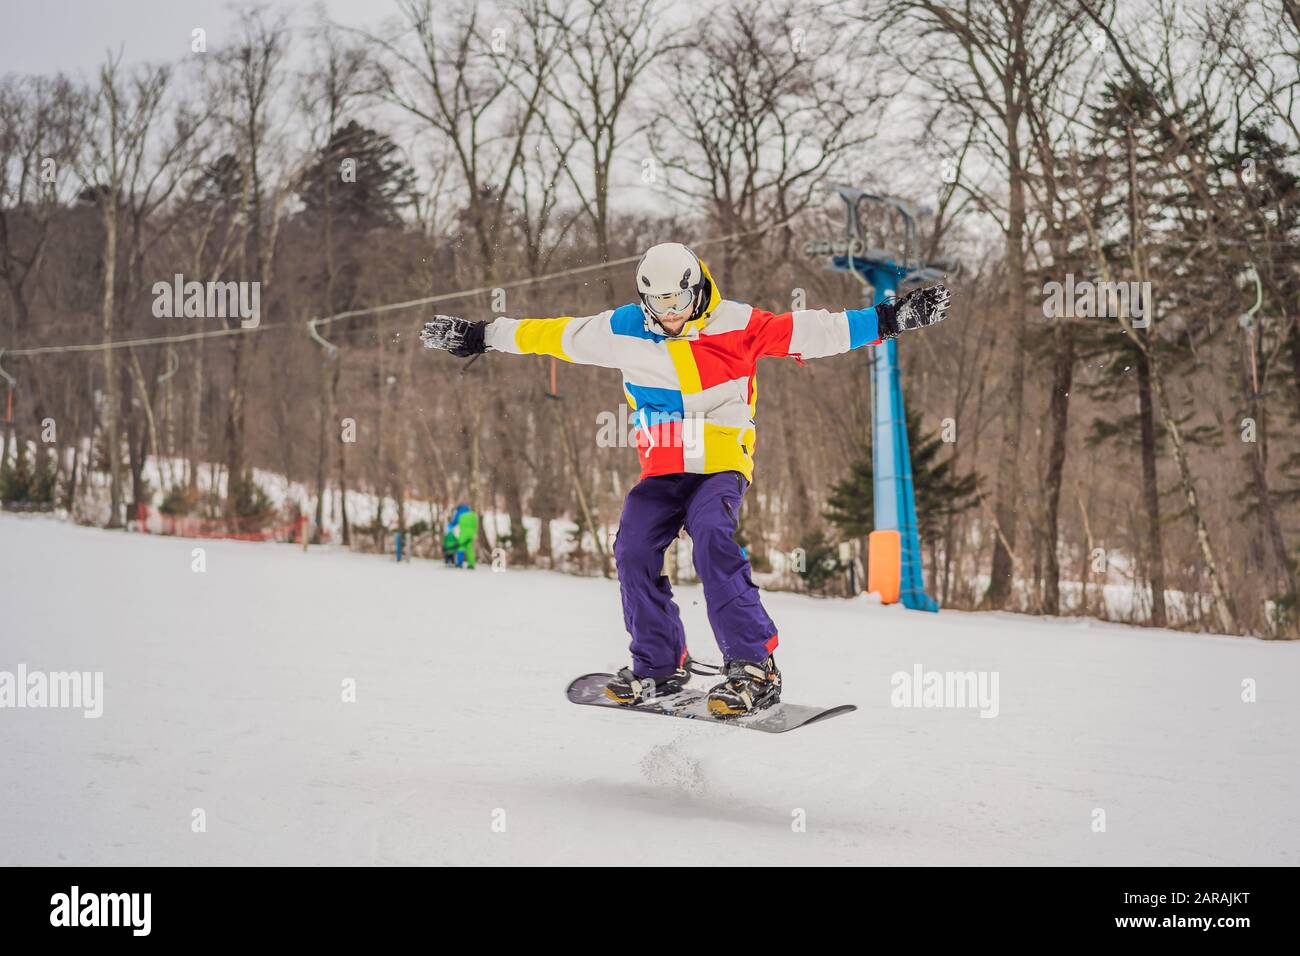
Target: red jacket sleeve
768, 335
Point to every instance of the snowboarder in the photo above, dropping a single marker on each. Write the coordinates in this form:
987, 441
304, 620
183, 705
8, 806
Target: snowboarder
688, 359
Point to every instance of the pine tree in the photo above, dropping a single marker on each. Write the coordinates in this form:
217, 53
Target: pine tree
939, 492
373, 188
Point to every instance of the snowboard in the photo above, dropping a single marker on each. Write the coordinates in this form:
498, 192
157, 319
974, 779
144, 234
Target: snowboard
589, 690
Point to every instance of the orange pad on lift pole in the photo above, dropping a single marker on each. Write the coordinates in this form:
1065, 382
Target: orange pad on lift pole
885, 564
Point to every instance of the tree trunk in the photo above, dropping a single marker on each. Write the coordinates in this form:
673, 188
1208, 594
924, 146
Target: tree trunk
329, 383
1256, 453
580, 488
342, 460
1151, 492
196, 417
1293, 348
1225, 612
1007, 493
508, 472
799, 508
1058, 415
235, 423
111, 443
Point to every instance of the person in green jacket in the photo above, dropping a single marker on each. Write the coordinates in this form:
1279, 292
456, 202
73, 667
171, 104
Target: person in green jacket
461, 533
449, 546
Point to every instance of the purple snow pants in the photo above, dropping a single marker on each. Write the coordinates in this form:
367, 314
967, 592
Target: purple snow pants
655, 511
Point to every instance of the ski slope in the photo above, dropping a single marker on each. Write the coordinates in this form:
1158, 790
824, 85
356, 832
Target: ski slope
223, 692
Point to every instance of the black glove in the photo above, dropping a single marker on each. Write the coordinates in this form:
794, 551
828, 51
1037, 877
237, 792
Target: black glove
916, 310
460, 337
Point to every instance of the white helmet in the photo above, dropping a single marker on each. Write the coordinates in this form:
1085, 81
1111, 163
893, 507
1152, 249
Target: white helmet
670, 278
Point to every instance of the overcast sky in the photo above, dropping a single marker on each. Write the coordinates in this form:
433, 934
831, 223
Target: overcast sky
74, 36
47, 36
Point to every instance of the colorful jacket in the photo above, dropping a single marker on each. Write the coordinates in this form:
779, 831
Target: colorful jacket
464, 526
694, 395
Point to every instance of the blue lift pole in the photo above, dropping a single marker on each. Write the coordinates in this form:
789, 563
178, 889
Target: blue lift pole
891, 460
893, 497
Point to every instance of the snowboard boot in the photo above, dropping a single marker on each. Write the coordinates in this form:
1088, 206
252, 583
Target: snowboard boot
626, 688
745, 689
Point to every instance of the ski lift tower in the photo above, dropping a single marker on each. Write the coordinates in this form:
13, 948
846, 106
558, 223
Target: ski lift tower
894, 559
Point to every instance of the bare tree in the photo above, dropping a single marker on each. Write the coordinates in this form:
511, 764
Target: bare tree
757, 113
40, 128
602, 49
326, 94
448, 70
125, 109
40, 131
253, 68
987, 61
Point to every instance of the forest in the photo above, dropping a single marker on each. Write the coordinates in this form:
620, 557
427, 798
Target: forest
215, 268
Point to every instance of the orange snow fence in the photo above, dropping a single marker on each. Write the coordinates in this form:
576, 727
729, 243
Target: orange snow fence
151, 521
885, 564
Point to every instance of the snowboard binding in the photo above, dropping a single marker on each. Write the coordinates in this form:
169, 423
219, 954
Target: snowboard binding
746, 689
627, 689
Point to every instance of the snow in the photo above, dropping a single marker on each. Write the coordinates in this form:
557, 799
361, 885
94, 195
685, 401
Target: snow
223, 691
1117, 594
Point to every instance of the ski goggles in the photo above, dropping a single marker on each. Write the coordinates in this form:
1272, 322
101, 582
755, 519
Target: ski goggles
678, 301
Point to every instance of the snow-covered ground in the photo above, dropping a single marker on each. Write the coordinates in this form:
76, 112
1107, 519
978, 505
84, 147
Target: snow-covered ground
223, 692
1119, 593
